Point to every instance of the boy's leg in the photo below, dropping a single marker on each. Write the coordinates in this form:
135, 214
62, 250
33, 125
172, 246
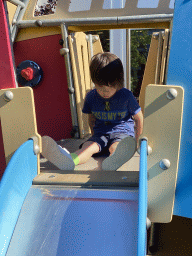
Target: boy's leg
120, 153
62, 158
88, 149
93, 145
57, 155
113, 147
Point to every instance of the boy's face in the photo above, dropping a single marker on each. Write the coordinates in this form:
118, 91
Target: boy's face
105, 92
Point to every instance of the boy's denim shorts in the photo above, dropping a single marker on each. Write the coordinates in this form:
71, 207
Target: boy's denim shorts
105, 141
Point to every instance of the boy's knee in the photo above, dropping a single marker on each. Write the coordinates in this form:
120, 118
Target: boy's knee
113, 147
92, 146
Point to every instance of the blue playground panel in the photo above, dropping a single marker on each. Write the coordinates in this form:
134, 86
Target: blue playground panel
180, 73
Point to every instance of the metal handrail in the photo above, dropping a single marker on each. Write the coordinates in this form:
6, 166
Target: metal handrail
142, 211
118, 20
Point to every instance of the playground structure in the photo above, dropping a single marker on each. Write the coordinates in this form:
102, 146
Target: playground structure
75, 208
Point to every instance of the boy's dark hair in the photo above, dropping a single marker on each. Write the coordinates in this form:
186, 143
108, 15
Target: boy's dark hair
107, 69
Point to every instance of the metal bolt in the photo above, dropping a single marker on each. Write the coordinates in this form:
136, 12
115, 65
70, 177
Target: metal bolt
36, 149
171, 94
148, 224
52, 176
95, 38
71, 90
39, 23
63, 51
14, 21
164, 164
8, 96
149, 150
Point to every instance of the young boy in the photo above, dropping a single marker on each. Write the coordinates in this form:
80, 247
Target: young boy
112, 110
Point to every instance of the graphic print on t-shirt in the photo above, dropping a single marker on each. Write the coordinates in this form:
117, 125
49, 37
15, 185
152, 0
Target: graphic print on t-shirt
110, 115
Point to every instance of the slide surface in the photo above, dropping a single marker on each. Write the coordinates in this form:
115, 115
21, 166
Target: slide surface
55, 220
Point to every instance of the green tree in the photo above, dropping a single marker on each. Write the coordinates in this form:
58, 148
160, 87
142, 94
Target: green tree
140, 41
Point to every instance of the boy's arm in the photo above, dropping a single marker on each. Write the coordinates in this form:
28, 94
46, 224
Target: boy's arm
91, 121
138, 118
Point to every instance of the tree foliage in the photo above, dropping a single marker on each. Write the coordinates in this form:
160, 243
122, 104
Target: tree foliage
140, 41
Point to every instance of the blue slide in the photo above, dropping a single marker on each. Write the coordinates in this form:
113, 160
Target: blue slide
59, 220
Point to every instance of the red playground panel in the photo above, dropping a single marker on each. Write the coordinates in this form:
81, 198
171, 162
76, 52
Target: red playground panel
7, 79
51, 95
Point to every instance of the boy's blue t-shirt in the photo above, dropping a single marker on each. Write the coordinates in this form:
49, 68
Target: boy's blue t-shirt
114, 114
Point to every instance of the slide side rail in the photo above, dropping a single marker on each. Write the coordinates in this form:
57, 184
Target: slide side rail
142, 212
14, 186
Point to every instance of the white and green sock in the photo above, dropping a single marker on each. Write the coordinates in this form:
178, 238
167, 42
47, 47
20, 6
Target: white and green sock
75, 158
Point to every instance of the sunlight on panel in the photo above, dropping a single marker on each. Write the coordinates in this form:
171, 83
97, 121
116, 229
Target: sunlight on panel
114, 4
79, 5
172, 4
147, 3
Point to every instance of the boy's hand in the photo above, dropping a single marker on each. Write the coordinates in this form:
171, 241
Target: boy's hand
138, 118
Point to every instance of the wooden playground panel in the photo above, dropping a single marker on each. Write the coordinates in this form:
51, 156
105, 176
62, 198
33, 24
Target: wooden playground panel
19, 111
80, 53
156, 65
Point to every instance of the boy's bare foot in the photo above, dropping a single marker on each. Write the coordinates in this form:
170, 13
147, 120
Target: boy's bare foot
124, 151
57, 155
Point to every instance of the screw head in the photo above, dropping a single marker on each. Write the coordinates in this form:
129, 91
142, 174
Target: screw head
36, 150
171, 94
8, 96
63, 51
149, 150
95, 38
164, 164
71, 90
39, 23
14, 21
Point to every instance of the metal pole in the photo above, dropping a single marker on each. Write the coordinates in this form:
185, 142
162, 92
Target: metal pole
128, 59
144, 18
98, 21
159, 56
17, 18
71, 90
17, 2
13, 27
90, 39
